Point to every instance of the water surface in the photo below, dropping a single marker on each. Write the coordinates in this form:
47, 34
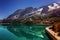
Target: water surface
23, 32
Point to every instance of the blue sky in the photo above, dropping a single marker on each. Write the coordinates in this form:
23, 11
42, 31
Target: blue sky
8, 7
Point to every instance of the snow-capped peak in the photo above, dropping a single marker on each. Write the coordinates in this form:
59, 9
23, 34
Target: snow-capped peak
55, 6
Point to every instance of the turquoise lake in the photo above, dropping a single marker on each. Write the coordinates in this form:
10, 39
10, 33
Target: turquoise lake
23, 32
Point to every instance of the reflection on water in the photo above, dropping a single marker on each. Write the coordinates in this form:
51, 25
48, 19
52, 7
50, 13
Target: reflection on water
6, 35
24, 32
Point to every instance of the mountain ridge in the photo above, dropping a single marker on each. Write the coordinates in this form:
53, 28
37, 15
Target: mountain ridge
36, 14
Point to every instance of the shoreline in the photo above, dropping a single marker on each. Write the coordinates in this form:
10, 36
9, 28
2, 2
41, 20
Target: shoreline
33, 24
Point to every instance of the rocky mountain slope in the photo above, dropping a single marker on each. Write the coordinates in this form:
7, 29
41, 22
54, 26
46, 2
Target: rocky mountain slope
21, 12
39, 14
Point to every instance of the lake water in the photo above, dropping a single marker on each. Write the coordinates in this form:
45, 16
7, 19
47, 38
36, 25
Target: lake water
23, 32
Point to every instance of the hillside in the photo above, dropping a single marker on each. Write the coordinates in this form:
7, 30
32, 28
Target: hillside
43, 15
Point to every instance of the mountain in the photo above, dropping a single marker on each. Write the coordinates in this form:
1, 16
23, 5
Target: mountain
21, 12
16, 13
44, 11
54, 13
41, 13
